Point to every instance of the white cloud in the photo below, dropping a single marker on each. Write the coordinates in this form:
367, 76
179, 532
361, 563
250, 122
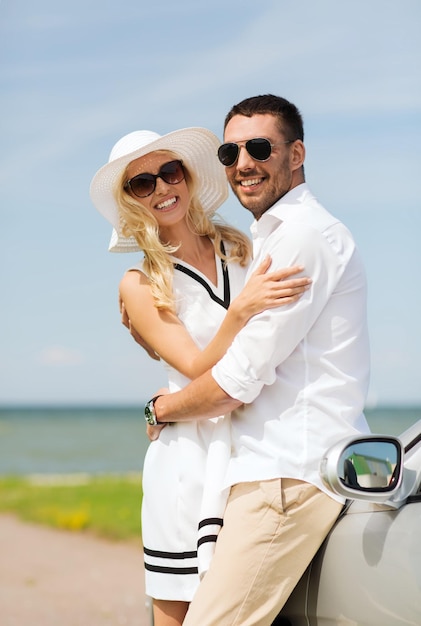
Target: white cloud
60, 355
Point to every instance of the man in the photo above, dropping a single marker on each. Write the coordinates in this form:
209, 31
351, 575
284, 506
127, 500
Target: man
295, 378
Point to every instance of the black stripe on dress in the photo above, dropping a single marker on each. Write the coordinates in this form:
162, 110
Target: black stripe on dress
211, 521
227, 291
170, 555
170, 569
207, 539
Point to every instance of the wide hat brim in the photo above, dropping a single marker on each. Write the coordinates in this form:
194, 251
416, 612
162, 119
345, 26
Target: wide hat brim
196, 147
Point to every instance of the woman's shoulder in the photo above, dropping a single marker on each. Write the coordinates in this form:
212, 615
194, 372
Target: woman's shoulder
137, 267
134, 274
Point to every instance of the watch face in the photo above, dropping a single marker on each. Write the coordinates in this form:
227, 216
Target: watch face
149, 414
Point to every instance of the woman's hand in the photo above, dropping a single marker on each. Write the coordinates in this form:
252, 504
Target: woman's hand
267, 290
153, 432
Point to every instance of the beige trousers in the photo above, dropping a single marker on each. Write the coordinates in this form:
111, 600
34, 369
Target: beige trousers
272, 529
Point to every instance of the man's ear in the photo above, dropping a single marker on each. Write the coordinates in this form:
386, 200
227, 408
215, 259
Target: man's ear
297, 154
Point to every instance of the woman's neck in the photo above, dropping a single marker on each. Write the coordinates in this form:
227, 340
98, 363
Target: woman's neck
195, 249
198, 251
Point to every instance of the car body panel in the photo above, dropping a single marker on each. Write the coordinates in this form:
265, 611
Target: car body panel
368, 571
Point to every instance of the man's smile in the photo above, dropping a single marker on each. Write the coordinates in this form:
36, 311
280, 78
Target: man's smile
251, 182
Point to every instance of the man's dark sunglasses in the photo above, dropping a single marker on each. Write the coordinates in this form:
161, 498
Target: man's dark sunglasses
259, 149
143, 185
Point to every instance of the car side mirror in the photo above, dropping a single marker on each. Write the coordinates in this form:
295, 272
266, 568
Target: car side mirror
364, 468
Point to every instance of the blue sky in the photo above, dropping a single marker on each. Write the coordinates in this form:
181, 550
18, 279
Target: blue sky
77, 76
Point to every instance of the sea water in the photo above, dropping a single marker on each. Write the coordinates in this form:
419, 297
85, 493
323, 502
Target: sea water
64, 440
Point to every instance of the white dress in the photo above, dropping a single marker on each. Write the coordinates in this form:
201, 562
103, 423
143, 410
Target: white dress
184, 468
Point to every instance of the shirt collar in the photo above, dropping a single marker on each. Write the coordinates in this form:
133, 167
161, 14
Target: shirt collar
279, 211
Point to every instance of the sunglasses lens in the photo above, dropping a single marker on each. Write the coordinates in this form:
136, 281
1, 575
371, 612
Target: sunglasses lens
142, 185
259, 149
172, 172
228, 153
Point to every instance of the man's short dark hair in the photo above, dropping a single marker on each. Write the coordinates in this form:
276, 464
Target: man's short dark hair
289, 117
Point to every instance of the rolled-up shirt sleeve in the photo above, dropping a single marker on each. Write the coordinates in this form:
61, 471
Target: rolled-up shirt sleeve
268, 339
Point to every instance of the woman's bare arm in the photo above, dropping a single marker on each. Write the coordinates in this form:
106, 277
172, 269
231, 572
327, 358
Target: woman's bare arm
161, 332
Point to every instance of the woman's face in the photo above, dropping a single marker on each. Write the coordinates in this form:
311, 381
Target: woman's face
168, 202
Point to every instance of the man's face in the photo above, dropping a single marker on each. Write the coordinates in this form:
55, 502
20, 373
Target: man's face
259, 184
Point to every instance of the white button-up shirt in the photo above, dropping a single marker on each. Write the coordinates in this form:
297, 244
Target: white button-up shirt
301, 370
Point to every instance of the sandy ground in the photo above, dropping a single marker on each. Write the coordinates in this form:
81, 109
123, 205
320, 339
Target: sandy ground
54, 578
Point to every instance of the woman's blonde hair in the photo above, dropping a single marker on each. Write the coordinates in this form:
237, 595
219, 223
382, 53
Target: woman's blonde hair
139, 222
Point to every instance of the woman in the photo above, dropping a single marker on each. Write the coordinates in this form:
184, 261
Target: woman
185, 300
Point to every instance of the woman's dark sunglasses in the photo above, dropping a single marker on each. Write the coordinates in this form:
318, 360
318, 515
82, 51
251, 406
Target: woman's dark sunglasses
143, 185
259, 149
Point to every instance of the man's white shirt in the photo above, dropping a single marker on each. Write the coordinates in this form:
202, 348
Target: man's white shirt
301, 370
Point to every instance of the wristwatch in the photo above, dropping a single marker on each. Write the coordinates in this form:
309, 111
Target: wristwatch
150, 415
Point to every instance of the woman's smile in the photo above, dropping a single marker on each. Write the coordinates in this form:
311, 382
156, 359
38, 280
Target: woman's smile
166, 204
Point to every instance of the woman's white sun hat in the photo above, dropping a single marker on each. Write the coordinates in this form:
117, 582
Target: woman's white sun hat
196, 147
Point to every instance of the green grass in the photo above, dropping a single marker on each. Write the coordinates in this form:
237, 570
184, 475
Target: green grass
107, 506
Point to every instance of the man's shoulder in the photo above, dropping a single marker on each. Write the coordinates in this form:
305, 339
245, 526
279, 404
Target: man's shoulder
301, 206
310, 232
309, 218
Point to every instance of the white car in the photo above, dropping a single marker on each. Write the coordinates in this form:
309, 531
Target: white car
368, 571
